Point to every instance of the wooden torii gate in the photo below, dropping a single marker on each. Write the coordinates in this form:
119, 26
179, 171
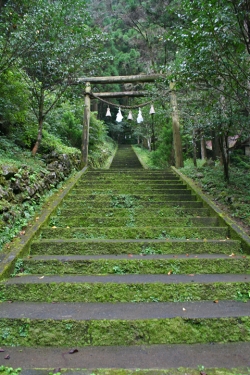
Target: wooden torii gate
126, 79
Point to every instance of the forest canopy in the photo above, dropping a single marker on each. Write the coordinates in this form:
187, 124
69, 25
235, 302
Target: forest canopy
201, 47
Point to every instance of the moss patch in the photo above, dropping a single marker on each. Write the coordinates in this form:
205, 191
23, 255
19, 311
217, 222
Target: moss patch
114, 292
89, 247
136, 233
137, 266
26, 332
131, 219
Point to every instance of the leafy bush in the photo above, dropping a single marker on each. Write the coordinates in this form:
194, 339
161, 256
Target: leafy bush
14, 105
163, 157
52, 143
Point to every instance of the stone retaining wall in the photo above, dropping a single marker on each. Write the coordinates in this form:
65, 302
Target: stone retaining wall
24, 185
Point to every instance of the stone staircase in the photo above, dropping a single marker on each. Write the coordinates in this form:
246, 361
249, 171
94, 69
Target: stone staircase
130, 272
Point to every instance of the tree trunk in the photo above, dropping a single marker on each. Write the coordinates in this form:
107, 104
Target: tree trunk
40, 124
176, 129
149, 143
203, 149
223, 142
215, 147
194, 148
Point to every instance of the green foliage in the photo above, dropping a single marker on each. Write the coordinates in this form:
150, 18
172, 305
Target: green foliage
100, 145
163, 156
145, 157
62, 42
19, 268
59, 44
243, 297
233, 195
5, 370
97, 132
52, 143
13, 100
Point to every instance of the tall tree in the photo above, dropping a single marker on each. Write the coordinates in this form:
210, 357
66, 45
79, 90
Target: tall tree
12, 44
212, 56
61, 46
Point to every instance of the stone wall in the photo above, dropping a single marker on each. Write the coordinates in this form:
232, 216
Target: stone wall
23, 187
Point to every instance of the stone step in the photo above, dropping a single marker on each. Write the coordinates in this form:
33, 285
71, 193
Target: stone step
212, 358
128, 190
130, 184
143, 246
129, 172
128, 178
108, 324
63, 221
119, 203
219, 233
126, 288
140, 173
134, 198
126, 212
130, 264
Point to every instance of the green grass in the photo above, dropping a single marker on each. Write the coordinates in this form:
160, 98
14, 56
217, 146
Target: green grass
144, 157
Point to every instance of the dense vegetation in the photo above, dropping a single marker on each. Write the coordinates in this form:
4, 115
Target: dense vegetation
201, 48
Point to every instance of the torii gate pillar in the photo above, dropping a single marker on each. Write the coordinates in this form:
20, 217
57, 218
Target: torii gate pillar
86, 122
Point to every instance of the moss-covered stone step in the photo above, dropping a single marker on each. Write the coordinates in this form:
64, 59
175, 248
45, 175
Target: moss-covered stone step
126, 288
126, 212
123, 324
128, 203
135, 264
95, 247
134, 199
137, 233
124, 177
128, 190
131, 220
130, 184
127, 171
